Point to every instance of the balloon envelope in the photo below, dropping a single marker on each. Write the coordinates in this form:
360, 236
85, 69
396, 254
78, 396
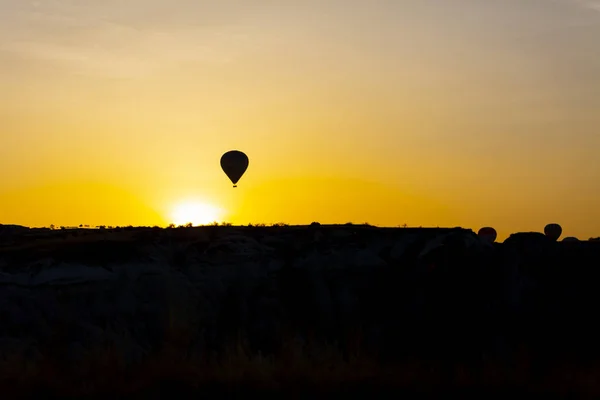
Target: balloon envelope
234, 163
488, 234
553, 231
570, 239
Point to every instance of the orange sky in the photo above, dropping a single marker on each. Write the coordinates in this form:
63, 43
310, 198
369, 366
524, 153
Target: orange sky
388, 112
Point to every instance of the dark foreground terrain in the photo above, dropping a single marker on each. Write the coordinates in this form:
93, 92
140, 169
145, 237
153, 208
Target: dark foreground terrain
306, 311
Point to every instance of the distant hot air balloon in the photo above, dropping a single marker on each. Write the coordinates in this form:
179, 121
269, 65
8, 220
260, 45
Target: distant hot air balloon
488, 234
234, 163
570, 239
553, 231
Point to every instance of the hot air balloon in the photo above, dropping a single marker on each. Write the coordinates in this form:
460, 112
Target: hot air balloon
487, 234
570, 239
553, 231
234, 163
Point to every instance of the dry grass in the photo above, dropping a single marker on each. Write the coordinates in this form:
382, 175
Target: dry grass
314, 368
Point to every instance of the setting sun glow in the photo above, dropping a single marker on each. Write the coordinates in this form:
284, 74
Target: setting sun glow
195, 213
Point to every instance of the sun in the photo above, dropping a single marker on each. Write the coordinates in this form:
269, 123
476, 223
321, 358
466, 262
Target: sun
195, 213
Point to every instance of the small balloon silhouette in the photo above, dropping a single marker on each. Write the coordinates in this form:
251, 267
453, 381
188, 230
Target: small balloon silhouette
488, 234
234, 163
553, 231
570, 239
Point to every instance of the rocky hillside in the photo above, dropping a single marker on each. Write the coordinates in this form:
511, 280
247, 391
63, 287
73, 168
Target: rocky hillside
389, 295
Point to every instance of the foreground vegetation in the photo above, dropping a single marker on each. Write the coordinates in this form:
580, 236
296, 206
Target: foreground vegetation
312, 369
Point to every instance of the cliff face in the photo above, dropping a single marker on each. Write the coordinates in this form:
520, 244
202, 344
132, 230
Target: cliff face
400, 292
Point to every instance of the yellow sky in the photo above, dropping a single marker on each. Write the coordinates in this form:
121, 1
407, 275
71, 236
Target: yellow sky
425, 112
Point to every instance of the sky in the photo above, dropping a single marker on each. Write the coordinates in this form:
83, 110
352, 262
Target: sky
421, 112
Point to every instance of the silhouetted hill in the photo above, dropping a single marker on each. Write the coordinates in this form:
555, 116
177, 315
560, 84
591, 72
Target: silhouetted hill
296, 307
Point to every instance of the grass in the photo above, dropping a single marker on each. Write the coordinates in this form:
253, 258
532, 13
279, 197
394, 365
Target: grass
313, 368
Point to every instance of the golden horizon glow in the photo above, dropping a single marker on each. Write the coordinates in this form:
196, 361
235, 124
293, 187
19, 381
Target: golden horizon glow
431, 113
196, 213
